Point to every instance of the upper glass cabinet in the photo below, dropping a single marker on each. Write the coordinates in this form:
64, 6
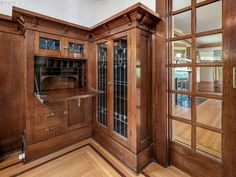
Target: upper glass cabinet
55, 46
49, 44
77, 48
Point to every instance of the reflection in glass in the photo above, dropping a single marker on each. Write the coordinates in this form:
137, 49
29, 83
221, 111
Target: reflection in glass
181, 106
120, 86
181, 51
102, 83
181, 132
76, 48
208, 142
181, 24
209, 48
213, 19
209, 111
177, 4
49, 44
209, 79
182, 78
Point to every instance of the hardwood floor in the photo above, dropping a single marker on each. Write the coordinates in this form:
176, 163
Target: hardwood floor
208, 113
83, 160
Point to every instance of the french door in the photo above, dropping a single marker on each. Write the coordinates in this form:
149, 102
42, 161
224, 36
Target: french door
195, 80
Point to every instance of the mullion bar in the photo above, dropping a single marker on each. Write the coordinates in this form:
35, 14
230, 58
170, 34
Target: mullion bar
193, 108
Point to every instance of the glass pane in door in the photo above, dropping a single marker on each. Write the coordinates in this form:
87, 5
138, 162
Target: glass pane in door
102, 83
120, 86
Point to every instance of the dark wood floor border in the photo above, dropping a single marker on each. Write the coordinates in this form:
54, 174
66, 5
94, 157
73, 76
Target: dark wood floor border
54, 158
108, 161
10, 165
145, 174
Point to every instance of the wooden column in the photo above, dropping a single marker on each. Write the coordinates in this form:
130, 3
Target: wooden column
229, 104
159, 86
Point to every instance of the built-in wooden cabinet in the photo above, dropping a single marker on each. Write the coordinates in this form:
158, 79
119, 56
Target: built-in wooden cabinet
123, 121
62, 67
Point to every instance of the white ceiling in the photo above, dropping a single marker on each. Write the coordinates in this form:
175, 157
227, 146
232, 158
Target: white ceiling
82, 12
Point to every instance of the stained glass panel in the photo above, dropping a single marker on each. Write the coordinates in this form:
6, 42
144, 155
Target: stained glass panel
120, 87
102, 83
49, 44
76, 48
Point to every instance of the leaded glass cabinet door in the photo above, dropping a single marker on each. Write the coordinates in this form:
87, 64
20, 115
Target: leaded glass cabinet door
120, 102
48, 45
75, 48
102, 83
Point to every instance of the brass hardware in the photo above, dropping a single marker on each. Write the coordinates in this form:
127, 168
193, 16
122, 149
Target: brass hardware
49, 129
66, 47
65, 112
79, 102
51, 115
234, 77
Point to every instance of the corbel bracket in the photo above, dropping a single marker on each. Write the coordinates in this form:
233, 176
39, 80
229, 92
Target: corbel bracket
107, 28
129, 18
21, 24
35, 22
143, 19
66, 29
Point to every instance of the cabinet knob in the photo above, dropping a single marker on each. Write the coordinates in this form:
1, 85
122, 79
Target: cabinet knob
65, 112
51, 115
49, 129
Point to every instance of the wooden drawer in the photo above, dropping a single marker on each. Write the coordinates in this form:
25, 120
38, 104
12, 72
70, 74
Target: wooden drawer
57, 105
49, 132
49, 117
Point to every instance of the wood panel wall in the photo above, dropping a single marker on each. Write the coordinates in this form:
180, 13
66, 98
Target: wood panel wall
159, 88
12, 85
229, 107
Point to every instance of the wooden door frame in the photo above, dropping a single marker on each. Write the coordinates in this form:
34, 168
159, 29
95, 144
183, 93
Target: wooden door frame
160, 129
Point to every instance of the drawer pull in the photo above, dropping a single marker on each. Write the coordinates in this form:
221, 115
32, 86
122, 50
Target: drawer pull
51, 115
49, 129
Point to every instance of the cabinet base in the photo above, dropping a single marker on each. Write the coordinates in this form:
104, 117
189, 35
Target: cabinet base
135, 162
35, 151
